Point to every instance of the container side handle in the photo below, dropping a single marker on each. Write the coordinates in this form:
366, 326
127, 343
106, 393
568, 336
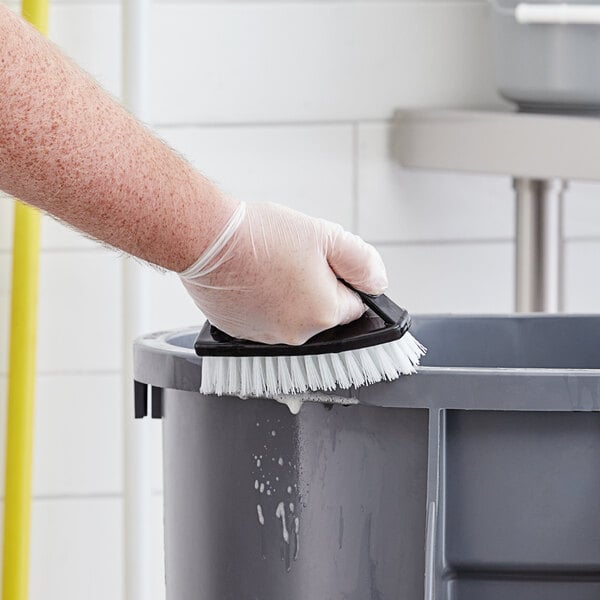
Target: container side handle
557, 14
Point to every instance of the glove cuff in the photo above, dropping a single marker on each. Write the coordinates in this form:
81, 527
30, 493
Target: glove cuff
207, 263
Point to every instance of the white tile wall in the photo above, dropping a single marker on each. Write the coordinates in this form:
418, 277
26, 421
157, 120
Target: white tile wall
395, 204
315, 61
76, 549
90, 32
582, 210
581, 276
54, 235
277, 100
78, 309
78, 439
78, 435
451, 278
158, 557
309, 168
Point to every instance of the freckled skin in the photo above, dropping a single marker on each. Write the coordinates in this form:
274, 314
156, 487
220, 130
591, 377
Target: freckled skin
70, 149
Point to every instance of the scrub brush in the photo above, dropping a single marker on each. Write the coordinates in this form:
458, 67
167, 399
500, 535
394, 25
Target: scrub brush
376, 347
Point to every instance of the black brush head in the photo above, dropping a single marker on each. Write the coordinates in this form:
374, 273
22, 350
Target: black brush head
383, 322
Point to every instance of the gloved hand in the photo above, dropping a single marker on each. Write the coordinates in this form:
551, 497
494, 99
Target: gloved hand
272, 275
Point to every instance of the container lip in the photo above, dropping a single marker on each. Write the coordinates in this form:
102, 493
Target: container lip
530, 371
161, 342
160, 362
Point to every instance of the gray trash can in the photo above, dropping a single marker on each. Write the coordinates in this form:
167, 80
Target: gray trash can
477, 478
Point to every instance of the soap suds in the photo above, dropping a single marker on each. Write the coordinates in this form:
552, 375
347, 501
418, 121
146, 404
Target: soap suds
280, 462
295, 401
280, 514
261, 518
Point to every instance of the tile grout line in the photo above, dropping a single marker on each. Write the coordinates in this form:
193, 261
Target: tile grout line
463, 3
74, 497
68, 250
449, 242
566, 239
73, 373
269, 124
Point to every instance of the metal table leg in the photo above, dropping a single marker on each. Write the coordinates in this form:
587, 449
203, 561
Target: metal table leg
538, 244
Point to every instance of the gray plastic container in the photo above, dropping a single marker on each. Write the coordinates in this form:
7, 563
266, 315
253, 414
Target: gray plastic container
546, 68
478, 478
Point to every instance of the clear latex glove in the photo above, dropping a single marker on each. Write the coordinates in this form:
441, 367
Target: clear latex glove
272, 275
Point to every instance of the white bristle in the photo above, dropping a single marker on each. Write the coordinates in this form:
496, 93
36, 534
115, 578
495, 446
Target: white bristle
327, 377
371, 373
284, 376
313, 377
233, 384
384, 362
353, 368
298, 373
246, 384
270, 376
258, 379
405, 364
207, 384
340, 373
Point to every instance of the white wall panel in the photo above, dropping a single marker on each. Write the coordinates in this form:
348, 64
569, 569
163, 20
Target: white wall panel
397, 204
312, 61
76, 550
80, 312
90, 33
78, 436
309, 168
582, 210
582, 276
451, 278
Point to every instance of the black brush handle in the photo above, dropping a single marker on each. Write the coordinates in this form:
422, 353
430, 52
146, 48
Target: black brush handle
381, 305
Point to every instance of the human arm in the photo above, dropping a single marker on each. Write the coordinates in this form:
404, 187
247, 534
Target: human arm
70, 149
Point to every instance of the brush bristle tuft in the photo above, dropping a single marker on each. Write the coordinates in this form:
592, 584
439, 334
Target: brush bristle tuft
274, 375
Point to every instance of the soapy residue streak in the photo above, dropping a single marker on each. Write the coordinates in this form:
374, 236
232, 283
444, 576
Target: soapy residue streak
297, 532
295, 401
280, 514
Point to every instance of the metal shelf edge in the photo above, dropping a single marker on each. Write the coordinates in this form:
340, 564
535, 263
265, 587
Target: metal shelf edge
534, 146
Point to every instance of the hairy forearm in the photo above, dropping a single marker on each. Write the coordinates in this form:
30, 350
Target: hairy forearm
68, 148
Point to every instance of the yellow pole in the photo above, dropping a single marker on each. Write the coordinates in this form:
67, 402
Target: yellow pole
21, 380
